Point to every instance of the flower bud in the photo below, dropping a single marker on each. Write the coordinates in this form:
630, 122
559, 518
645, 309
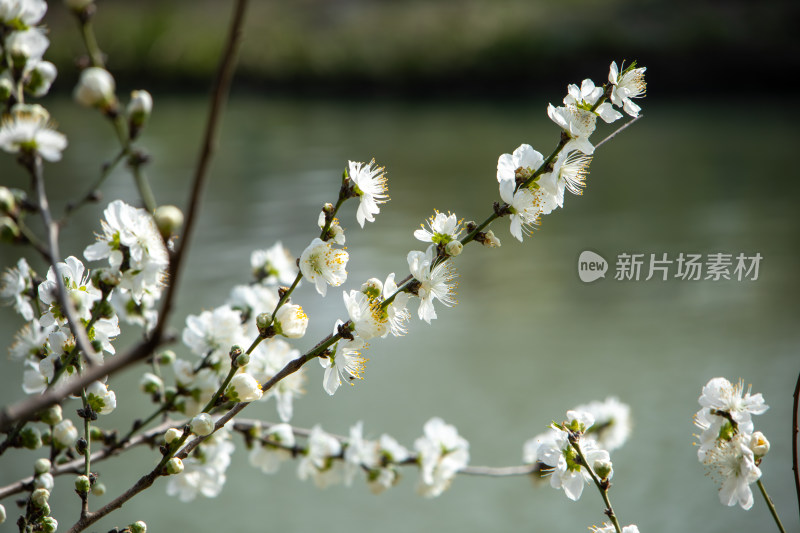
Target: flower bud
82, 484
48, 524
169, 220
202, 425
291, 321
453, 248
101, 399
167, 357
150, 383
39, 497
41, 78
603, 468
490, 241
44, 481
42, 466
138, 527
95, 88
372, 288
96, 434
139, 109
172, 435
243, 388
7, 201
107, 276
242, 360
30, 438
81, 446
263, 321
759, 444
9, 231
26, 45
65, 435
98, 489
174, 466
52, 415
2, 514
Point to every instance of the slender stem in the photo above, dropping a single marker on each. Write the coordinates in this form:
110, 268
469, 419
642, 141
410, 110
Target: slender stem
617, 131
213, 401
602, 487
145, 191
68, 308
87, 465
771, 506
89, 40
104, 173
165, 407
795, 406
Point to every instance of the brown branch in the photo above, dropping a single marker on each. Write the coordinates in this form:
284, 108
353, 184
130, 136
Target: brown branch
76, 466
78, 331
26, 409
617, 131
795, 406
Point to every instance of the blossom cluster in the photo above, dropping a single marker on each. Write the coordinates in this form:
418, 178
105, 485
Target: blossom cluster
127, 288
531, 186
729, 446
440, 453
597, 428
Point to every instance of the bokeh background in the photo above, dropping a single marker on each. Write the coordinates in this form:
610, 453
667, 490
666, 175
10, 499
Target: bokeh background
436, 91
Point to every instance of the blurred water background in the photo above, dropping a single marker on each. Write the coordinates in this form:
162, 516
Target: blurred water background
711, 168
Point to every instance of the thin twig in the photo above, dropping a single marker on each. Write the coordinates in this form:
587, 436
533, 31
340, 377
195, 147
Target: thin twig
76, 466
81, 338
795, 406
617, 131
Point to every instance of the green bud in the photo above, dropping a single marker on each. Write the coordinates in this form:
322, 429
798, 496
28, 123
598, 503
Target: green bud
30, 438
242, 360
138, 527
42, 465
48, 524
602, 468
169, 220
82, 484
167, 357
44, 509
51, 416
174, 466
39, 497
172, 435
9, 231
263, 321
2, 514
453, 248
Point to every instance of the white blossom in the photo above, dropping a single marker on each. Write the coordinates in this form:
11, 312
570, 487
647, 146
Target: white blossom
30, 341
268, 359
204, 471
101, 399
345, 361
40, 76
609, 528
335, 230
79, 289
213, 333
577, 123
629, 85
27, 45
442, 229
28, 129
291, 321
369, 184
587, 96
358, 454
268, 457
243, 388
442, 453
612, 422
721, 395
732, 464
134, 247
436, 282
24, 13
16, 285
274, 265
324, 265
318, 461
